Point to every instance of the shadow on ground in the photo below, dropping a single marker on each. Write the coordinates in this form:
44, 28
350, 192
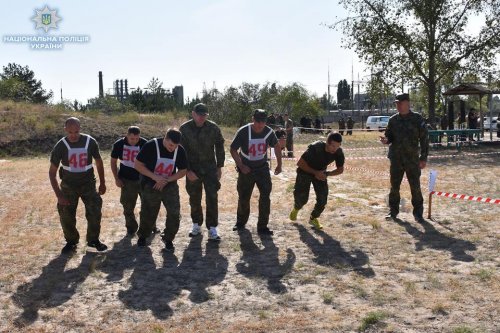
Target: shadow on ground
329, 252
264, 263
53, 287
154, 288
432, 238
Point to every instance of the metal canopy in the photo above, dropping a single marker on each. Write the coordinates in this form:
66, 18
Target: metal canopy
474, 89
470, 89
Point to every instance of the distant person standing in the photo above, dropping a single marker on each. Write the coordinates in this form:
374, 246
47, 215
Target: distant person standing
317, 124
126, 149
161, 162
350, 125
312, 168
406, 133
74, 153
341, 125
271, 121
289, 134
249, 151
204, 146
472, 121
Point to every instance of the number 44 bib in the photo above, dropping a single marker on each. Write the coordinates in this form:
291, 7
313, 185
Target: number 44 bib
164, 166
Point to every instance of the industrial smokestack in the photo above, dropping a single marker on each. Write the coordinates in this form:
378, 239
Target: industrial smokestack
126, 88
101, 89
121, 90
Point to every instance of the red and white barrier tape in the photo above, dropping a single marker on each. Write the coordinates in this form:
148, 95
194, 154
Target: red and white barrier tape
466, 197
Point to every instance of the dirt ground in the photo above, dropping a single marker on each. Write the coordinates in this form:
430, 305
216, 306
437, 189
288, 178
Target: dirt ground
361, 273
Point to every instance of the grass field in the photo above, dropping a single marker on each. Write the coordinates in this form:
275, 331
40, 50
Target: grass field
361, 273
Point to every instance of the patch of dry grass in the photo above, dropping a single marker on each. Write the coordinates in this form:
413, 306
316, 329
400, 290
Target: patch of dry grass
301, 280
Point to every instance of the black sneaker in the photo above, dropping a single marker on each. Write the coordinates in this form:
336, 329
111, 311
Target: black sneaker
97, 245
169, 246
238, 226
141, 242
265, 231
156, 230
391, 216
418, 217
68, 248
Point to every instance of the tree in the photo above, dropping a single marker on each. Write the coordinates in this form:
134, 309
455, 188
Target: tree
422, 41
19, 83
344, 94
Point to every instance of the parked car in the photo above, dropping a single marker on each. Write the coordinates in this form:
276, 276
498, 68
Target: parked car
486, 123
377, 122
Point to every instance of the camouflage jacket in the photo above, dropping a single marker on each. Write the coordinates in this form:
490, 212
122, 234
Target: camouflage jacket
204, 145
407, 135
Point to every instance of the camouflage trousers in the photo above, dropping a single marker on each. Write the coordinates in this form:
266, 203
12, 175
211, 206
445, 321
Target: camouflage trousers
67, 214
245, 186
301, 192
151, 202
130, 191
397, 170
211, 184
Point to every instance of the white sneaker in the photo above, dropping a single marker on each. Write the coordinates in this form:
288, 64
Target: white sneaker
196, 230
212, 234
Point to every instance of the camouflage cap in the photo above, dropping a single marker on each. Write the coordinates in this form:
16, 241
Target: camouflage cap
200, 109
402, 97
260, 115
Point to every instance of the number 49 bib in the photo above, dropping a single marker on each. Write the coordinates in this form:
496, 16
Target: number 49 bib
256, 147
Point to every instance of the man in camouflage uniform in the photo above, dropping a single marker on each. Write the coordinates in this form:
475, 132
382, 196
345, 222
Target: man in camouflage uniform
126, 177
341, 125
161, 162
204, 146
350, 125
75, 152
252, 142
406, 133
289, 134
311, 168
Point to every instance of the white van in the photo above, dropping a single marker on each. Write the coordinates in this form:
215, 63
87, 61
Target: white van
487, 121
377, 122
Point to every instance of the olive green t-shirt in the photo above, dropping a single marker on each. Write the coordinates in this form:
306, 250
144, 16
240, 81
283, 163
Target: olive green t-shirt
59, 155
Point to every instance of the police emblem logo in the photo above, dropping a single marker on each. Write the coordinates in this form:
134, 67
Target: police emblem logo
46, 19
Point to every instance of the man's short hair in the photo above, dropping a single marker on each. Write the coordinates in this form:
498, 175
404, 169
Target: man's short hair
72, 121
334, 136
134, 130
174, 135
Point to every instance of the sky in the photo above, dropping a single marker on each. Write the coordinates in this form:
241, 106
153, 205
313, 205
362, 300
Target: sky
189, 43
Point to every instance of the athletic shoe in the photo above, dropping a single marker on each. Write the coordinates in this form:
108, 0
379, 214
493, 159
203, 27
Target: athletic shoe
391, 216
265, 231
238, 227
212, 235
97, 245
141, 242
293, 214
419, 218
196, 230
131, 232
315, 223
169, 246
68, 248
